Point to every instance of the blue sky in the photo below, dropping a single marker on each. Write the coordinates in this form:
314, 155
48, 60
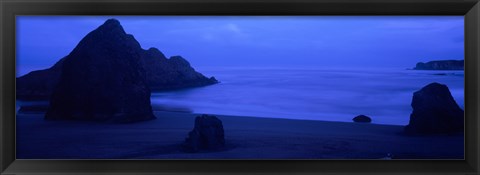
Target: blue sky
257, 41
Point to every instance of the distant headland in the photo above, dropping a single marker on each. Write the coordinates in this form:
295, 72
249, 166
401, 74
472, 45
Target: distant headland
441, 65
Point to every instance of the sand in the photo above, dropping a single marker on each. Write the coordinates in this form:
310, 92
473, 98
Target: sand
246, 138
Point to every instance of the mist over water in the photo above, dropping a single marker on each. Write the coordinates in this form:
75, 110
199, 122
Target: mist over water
314, 94
318, 94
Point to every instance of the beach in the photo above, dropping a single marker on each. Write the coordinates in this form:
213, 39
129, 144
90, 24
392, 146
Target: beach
310, 94
246, 138
278, 92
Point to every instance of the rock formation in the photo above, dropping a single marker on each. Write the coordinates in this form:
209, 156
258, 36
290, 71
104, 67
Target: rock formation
441, 65
207, 134
102, 79
173, 73
161, 74
435, 111
38, 85
33, 109
362, 119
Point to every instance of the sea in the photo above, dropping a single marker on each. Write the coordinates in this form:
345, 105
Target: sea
385, 95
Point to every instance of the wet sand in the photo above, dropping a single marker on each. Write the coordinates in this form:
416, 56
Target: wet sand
246, 138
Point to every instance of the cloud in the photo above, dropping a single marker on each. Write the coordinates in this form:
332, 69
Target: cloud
233, 28
216, 38
236, 31
229, 32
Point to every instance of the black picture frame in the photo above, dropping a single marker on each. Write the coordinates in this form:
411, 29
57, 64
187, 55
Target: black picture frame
11, 8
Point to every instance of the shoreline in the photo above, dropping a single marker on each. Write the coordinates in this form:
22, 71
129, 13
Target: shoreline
276, 118
246, 138
40, 108
385, 103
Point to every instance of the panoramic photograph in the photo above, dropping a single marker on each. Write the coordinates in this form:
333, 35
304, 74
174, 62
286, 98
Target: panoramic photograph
240, 87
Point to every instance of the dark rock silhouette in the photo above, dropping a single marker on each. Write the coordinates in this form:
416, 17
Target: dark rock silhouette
207, 134
441, 65
173, 73
102, 79
362, 119
435, 111
39, 84
33, 109
161, 74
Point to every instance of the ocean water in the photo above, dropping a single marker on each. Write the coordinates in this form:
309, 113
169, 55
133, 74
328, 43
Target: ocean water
313, 94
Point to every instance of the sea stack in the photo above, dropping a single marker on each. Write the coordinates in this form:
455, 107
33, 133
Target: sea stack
435, 111
162, 73
207, 134
102, 79
173, 73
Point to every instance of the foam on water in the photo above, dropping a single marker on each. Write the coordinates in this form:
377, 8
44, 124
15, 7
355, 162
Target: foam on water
315, 94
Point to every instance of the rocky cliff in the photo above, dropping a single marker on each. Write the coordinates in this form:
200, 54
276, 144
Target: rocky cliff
161, 74
441, 65
39, 84
173, 73
102, 79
